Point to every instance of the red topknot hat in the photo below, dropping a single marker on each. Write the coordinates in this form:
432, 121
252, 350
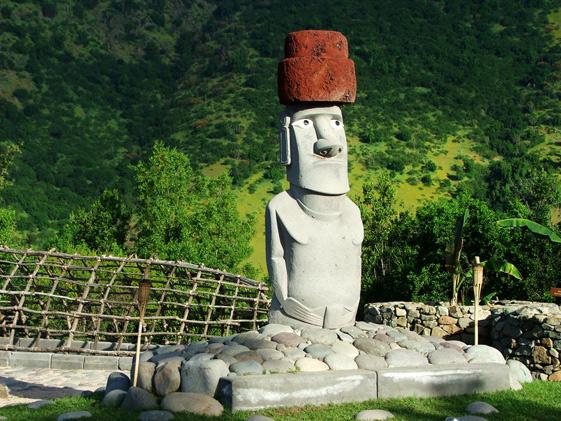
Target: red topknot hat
316, 68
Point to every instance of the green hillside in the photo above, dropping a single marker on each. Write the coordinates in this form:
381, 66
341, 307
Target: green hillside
444, 89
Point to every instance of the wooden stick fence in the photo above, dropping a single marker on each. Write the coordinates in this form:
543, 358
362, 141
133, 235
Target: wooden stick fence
89, 302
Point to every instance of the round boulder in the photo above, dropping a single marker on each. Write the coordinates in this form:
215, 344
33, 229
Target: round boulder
195, 403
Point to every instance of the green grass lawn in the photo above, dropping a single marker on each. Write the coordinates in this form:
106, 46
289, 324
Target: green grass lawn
536, 401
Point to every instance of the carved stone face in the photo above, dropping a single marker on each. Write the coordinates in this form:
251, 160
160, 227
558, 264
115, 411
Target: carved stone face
318, 149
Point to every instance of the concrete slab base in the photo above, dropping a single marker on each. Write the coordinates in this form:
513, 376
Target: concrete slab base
316, 388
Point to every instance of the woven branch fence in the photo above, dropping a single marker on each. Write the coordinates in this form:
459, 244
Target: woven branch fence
89, 303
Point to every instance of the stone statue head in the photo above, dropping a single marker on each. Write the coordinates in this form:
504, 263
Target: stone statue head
314, 148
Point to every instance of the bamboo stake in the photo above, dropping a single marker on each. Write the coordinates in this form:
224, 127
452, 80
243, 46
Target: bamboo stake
477, 284
143, 296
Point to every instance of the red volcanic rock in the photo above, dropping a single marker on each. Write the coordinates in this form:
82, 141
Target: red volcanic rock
316, 68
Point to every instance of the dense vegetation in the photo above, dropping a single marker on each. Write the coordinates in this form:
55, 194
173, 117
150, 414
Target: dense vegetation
93, 93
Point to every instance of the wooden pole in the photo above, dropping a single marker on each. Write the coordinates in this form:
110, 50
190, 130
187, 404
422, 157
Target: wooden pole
477, 284
143, 297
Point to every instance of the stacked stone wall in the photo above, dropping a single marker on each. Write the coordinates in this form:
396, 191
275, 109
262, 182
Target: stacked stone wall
525, 331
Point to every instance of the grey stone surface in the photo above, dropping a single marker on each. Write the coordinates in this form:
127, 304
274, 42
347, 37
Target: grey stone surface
92, 362
195, 403
278, 366
353, 331
203, 377
480, 407
4, 391
244, 368
155, 415
40, 404
234, 349
288, 339
374, 414
167, 378
447, 356
372, 346
370, 362
345, 348
294, 353
114, 399
125, 363
145, 375
367, 326
519, 371
117, 381
317, 335
274, 329
30, 359
421, 347
260, 418
442, 380
270, 354
67, 361
138, 399
466, 418
405, 358
337, 361
76, 415
257, 392
310, 364
477, 354
319, 351
249, 355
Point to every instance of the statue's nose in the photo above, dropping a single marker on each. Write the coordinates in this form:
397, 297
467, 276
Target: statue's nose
328, 148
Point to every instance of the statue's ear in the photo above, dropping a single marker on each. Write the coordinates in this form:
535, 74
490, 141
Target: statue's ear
284, 133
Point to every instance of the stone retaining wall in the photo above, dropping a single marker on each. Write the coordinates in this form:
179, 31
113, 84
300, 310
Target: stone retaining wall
526, 331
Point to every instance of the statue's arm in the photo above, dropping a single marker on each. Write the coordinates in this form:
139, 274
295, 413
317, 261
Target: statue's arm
276, 265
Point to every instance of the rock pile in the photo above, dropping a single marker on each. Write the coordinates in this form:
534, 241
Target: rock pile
181, 378
524, 331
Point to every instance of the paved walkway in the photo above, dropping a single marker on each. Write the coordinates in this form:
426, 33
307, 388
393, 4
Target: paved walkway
32, 384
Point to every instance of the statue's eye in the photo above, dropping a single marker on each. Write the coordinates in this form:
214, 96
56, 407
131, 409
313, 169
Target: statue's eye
336, 124
304, 123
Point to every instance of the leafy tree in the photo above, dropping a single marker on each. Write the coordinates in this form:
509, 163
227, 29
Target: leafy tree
100, 229
183, 215
8, 232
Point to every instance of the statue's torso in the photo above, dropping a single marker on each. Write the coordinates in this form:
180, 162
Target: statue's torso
321, 253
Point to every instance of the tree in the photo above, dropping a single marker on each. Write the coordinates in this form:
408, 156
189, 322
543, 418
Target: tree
100, 229
8, 232
184, 215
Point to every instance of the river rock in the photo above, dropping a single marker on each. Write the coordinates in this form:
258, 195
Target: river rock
145, 374
480, 407
420, 347
447, 356
484, 354
311, 364
270, 354
374, 414
345, 348
167, 378
371, 362
233, 349
155, 415
294, 353
337, 361
117, 381
319, 351
288, 339
244, 368
274, 329
372, 346
195, 403
519, 371
138, 399
278, 366
203, 377
76, 415
249, 355
318, 335
405, 358
114, 399
354, 332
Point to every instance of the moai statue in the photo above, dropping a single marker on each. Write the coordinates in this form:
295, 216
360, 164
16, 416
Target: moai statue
313, 230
